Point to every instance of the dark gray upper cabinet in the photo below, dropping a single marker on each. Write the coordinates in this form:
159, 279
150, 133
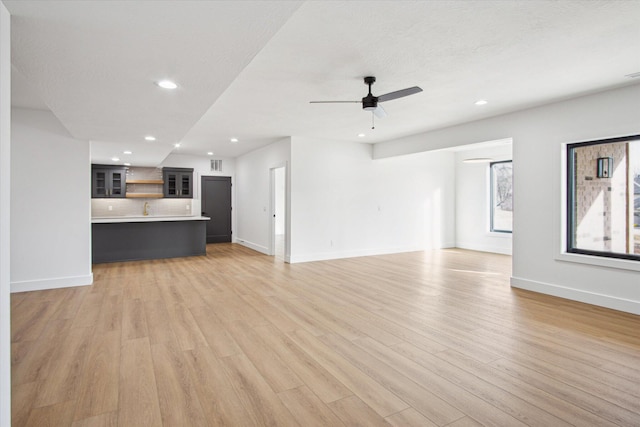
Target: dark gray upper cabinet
108, 181
178, 182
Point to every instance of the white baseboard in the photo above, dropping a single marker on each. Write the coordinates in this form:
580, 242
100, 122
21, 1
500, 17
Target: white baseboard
55, 283
254, 246
615, 303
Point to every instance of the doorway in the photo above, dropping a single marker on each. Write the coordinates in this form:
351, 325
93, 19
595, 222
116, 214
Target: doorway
216, 204
278, 212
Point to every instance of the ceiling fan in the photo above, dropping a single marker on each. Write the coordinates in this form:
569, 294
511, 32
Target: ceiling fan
370, 102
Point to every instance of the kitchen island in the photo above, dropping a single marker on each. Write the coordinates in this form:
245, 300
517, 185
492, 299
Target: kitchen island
132, 238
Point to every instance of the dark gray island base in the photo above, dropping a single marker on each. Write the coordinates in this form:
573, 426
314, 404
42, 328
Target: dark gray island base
132, 241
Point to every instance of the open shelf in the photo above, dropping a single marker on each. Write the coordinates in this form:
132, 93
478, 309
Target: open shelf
145, 195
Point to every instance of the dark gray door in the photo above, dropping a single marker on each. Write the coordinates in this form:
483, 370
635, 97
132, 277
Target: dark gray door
216, 204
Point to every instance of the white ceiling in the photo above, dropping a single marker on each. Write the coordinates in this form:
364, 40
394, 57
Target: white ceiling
249, 69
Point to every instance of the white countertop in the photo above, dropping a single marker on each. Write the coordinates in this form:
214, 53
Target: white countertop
150, 218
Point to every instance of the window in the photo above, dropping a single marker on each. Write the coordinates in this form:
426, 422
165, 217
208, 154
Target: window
502, 196
603, 198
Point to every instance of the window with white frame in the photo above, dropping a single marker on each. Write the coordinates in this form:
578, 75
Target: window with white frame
502, 196
603, 198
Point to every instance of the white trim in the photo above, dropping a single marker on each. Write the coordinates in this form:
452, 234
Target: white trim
561, 225
254, 246
55, 283
601, 261
608, 301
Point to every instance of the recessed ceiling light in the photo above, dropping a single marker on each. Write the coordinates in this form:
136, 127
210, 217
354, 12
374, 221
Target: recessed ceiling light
115, 159
127, 152
177, 145
234, 139
481, 102
361, 135
150, 138
477, 160
127, 164
167, 84
210, 153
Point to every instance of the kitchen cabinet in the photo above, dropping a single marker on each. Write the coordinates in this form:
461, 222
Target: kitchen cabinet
131, 239
108, 181
178, 182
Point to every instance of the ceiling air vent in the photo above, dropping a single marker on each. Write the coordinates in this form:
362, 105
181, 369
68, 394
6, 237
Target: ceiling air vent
216, 165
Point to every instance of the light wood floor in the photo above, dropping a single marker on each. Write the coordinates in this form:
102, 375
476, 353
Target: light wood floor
237, 338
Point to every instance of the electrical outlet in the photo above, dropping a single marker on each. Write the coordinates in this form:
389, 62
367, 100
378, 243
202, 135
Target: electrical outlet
110, 208
187, 207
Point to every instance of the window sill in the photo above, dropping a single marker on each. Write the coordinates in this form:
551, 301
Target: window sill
620, 264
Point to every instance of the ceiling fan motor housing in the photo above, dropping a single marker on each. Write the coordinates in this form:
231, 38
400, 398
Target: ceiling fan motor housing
369, 102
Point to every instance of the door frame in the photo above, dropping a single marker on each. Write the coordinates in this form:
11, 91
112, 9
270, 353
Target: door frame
272, 211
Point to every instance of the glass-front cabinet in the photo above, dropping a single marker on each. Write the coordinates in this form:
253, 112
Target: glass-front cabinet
108, 181
178, 182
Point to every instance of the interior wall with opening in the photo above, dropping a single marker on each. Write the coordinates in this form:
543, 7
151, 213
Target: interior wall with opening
253, 196
472, 192
540, 261
345, 203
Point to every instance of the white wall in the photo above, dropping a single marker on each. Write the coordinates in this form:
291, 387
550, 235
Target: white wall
50, 204
253, 195
344, 204
5, 210
473, 201
538, 134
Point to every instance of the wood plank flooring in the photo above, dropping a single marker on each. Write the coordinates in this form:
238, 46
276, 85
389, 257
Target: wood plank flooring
237, 338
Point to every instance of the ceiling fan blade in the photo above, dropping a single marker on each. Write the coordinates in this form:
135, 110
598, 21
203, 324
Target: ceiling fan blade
380, 112
399, 94
335, 102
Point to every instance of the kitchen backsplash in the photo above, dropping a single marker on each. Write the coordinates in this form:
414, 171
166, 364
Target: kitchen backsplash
135, 207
